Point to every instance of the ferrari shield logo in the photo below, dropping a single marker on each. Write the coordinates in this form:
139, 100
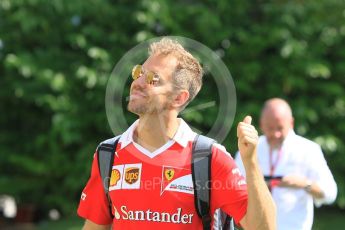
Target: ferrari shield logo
169, 174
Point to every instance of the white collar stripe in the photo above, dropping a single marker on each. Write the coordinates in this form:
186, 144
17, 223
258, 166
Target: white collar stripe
183, 136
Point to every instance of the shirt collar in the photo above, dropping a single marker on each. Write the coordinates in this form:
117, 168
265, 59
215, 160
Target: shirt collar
183, 135
289, 136
127, 137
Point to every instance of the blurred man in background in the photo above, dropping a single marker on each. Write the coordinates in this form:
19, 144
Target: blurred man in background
294, 168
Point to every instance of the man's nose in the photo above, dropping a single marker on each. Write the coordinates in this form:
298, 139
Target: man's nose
140, 81
277, 134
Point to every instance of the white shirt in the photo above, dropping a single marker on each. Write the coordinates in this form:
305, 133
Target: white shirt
302, 157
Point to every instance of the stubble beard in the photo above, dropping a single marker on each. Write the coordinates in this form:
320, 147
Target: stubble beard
148, 107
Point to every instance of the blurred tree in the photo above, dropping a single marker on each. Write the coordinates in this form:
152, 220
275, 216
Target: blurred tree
56, 57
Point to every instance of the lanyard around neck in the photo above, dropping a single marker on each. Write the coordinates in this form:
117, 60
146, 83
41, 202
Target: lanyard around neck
273, 165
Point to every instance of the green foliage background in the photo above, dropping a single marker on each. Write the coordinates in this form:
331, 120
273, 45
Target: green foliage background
56, 57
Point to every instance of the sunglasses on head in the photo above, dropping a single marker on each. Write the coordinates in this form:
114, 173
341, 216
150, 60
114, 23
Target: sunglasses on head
150, 77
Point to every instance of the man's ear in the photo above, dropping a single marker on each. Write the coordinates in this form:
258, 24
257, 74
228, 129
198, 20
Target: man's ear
181, 98
292, 122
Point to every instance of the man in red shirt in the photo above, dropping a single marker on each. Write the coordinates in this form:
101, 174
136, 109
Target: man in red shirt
151, 184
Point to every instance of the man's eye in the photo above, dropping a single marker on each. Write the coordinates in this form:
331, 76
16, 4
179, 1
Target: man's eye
155, 78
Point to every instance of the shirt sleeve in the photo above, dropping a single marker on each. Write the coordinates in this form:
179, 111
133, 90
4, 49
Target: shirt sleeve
93, 203
239, 163
229, 188
321, 174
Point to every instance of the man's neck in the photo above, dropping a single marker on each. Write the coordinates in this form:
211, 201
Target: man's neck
155, 130
275, 146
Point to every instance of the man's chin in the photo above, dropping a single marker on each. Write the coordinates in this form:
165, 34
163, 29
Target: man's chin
137, 111
145, 109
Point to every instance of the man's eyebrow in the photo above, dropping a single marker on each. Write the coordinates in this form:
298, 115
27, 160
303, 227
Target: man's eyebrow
158, 74
146, 70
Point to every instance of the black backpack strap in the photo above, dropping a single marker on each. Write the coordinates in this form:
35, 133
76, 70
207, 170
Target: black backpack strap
105, 156
224, 221
201, 174
228, 223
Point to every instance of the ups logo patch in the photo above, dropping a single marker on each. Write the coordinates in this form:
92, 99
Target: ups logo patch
132, 175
